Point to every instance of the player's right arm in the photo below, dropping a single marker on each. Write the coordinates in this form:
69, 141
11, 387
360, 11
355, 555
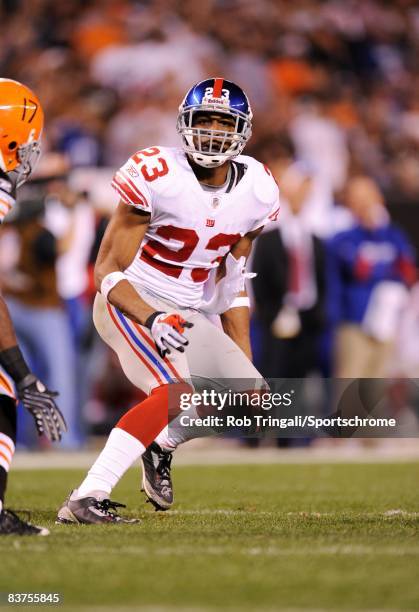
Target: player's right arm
123, 237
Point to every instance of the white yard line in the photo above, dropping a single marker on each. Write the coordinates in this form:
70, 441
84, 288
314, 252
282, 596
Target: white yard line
389, 514
221, 452
357, 550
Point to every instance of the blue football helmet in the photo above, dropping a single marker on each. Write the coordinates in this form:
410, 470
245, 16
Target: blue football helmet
215, 95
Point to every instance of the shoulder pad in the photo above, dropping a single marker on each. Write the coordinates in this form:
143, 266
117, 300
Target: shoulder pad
265, 187
159, 168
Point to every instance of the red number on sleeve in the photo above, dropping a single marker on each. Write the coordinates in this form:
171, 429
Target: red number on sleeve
137, 157
156, 172
153, 172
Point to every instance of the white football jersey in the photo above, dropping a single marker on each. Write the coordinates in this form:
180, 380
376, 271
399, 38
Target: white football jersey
191, 229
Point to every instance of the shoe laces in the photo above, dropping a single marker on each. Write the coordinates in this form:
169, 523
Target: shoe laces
108, 507
164, 466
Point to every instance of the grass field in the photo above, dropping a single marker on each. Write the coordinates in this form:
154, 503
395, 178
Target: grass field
266, 537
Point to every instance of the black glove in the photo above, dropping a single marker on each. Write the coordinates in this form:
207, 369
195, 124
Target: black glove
7, 195
41, 404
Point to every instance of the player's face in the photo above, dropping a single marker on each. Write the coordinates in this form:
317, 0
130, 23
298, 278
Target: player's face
213, 122
365, 200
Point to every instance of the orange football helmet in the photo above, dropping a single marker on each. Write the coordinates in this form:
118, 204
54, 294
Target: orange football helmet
21, 123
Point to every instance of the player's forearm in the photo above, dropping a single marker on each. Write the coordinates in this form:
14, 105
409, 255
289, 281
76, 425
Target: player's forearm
123, 236
123, 295
236, 324
236, 321
7, 333
11, 358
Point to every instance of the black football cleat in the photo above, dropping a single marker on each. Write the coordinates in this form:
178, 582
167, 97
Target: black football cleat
95, 509
12, 524
157, 481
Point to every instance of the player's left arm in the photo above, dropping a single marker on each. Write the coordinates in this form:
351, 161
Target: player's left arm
236, 320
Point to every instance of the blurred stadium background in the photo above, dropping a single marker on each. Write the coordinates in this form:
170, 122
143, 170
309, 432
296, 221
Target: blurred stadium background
334, 87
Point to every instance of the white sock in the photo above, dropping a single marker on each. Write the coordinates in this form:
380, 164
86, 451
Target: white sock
165, 441
174, 434
120, 452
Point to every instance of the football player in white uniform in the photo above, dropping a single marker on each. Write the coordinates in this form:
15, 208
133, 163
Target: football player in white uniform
185, 214
21, 122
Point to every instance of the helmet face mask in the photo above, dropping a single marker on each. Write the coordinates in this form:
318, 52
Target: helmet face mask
28, 156
214, 97
21, 123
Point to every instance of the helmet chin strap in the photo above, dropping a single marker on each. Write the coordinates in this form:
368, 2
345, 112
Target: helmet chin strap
199, 159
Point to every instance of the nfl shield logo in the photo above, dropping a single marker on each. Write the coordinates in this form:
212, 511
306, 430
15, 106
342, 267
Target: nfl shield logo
215, 202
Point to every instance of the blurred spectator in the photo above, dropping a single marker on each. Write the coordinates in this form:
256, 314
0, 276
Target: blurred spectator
144, 66
405, 361
369, 267
289, 287
39, 319
71, 219
320, 142
142, 122
318, 214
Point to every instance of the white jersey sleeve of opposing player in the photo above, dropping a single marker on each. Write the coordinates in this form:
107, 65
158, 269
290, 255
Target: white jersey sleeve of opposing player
131, 185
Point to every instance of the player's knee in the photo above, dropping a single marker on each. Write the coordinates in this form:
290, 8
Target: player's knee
171, 396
